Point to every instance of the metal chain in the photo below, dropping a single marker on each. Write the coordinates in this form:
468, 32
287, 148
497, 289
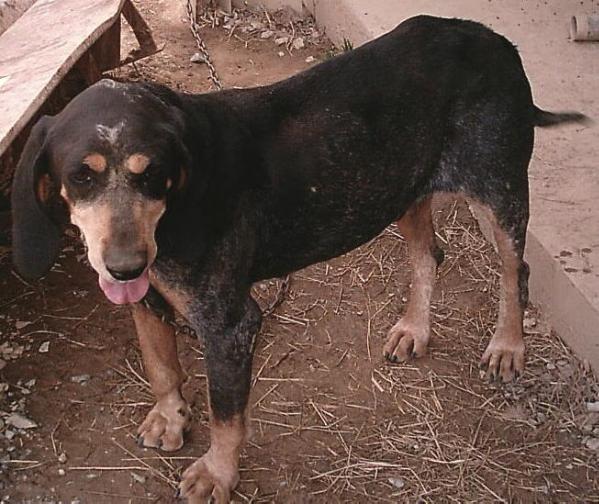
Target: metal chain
193, 25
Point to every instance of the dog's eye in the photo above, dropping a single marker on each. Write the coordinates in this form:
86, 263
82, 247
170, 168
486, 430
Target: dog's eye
151, 176
83, 176
148, 174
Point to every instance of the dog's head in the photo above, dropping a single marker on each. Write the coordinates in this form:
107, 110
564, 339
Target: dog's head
111, 159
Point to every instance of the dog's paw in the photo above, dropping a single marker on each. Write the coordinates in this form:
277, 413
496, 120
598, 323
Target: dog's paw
503, 358
165, 425
406, 340
209, 479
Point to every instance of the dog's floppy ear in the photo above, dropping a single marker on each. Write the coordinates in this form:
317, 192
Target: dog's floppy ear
36, 238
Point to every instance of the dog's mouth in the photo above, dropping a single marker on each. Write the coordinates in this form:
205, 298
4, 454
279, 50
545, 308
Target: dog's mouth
131, 291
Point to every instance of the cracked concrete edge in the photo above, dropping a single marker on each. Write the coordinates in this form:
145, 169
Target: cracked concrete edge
569, 311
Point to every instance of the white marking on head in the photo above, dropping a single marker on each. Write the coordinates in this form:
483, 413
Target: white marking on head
109, 83
110, 134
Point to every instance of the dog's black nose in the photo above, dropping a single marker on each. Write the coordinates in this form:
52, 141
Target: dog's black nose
128, 274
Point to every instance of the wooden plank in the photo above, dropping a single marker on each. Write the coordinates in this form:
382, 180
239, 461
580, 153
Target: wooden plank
107, 49
142, 33
38, 50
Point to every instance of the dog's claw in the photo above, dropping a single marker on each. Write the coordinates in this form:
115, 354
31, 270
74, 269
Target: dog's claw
140, 440
178, 493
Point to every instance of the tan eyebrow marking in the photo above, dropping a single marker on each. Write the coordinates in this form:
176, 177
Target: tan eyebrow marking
137, 163
95, 161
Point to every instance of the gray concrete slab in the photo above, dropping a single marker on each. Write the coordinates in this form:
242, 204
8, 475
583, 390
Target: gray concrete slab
563, 240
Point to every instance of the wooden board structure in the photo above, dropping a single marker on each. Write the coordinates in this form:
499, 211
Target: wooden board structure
40, 48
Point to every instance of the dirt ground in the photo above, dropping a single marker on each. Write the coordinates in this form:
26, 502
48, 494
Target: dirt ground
332, 422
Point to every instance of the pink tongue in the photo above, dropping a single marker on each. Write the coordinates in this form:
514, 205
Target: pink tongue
126, 292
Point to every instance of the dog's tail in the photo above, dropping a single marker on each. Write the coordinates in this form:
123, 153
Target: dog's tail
546, 119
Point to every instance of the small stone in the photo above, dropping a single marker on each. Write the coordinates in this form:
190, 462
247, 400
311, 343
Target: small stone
550, 366
9, 434
529, 322
62, 458
197, 58
266, 34
82, 378
592, 443
281, 54
44, 347
569, 466
30, 383
20, 324
61, 472
298, 43
593, 407
397, 483
586, 427
310, 59
281, 40
20, 422
138, 479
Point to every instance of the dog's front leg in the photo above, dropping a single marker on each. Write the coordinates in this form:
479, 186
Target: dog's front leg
166, 422
228, 355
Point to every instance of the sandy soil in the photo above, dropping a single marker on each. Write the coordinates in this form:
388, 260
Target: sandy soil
332, 422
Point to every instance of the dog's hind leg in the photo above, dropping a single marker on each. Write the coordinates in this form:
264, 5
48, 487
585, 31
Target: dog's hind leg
166, 422
504, 357
409, 337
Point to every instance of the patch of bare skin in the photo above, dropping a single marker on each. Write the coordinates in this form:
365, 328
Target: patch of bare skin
166, 423
504, 357
137, 163
96, 162
409, 337
216, 474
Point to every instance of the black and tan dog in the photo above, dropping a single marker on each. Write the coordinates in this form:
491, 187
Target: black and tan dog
185, 200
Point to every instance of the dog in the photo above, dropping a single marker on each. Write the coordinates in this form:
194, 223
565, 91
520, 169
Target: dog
184, 201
